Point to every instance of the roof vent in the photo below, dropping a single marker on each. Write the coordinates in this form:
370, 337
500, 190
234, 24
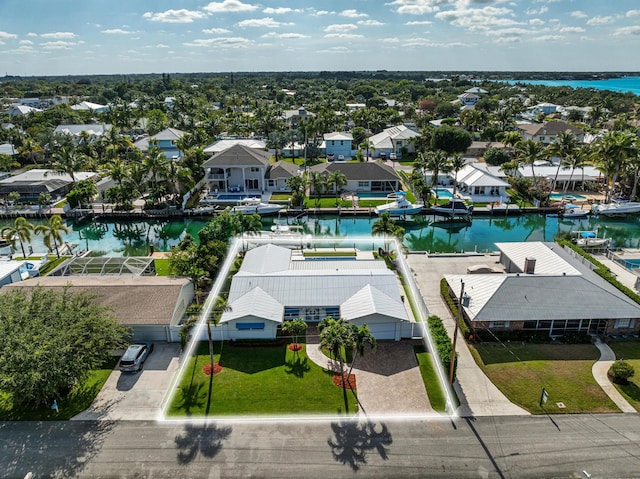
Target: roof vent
466, 299
530, 265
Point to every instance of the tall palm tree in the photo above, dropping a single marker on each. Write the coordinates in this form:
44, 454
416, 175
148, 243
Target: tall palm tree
611, 153
457, 163
438, 162
68, 161
317, 182
337, 180
528, 152
386, 227
20, 231
564, 146
177, 175
367, 145
155, 164
362, 337
52, 233
337, 336
31, 150
577, 159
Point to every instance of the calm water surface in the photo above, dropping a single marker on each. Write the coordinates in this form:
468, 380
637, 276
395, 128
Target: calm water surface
426, 233
623, 84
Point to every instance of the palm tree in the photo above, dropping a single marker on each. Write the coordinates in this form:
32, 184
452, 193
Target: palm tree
317, 182
177, 175
295, 328
52, 233
457, 163
31, 150
386, 227
20, 231
528, 152
297, 185
155, 164
337, 180
337, 337
438, 162
67, 161
367, 145
361, 338
611, 152
565, 145
577, 159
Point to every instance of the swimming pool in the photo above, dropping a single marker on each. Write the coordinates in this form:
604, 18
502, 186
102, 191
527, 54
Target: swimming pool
226, 196
443, 193
559, 196
629, 263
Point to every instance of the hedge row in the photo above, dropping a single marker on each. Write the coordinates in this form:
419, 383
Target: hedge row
453, 307
442, 341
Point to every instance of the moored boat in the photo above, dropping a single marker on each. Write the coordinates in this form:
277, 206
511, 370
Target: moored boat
590, 239
250, 206
400, 207
454, 207
573, 212
616, 208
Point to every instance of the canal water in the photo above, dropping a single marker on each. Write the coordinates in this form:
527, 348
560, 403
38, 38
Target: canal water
424, 233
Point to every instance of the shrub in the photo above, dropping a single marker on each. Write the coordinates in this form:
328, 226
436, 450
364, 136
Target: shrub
621, 371
453, 307
441, 340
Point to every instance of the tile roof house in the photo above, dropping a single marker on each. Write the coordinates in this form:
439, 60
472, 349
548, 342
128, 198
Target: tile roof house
274, 285
367, 176
546, 288
393, 140
237, 169
478, 183
89, 106
153, 306
21, 110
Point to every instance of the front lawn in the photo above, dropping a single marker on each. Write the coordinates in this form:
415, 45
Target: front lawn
629, 350
162, 266
520, 371
435, 392
257, 381
79, 400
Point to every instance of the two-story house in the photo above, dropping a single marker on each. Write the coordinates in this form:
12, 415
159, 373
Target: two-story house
338, 145
165, 140
547, 133
238, 169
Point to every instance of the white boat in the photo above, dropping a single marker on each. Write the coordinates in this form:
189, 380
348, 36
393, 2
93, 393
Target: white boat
400, 207
573, 212
616, 208
589, 239
250, 206
453, 208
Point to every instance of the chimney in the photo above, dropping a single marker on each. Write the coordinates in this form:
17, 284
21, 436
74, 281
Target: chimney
530, 265
466, 299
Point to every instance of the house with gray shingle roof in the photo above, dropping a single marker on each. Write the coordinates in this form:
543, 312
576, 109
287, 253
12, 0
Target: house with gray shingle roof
278, 174
165, 140
547, 132
546, 288
369, 176
273, 285
237, 169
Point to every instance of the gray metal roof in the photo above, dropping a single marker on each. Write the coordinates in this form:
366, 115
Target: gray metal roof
548, 262
256, 303
370, 300
266, 259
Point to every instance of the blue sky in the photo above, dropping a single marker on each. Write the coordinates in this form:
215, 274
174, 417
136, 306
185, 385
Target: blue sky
45, 37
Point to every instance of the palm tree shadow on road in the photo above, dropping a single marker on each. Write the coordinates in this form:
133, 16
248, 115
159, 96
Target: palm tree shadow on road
354, 440
205, 439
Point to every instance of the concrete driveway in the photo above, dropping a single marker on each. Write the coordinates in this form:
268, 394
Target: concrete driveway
136, 395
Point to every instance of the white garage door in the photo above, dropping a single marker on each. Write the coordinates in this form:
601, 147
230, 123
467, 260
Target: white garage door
149, 333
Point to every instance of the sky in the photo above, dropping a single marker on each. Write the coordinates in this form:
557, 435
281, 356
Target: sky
75, 37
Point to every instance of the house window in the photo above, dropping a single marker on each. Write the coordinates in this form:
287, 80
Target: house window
291, 313
332, 312
255, 169
272, 182
624, 323
498, 324
251, 184
363, 184
245, 326
542, 138
341, 142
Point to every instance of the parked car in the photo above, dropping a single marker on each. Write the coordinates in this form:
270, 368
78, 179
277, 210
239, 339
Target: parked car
340, 157
330, 156
135, 356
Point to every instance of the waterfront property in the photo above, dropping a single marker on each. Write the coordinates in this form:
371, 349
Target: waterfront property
366, 177
545, 288
237, 169
32, 183
476, 181
275, 284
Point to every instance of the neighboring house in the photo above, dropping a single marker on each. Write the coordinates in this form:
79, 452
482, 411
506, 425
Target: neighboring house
338, 144
237, 169
364, 176
94, 131
547, 133
8, 149
165, 140
22, 110
579, 176
33, 182
468, 99
278, 174
274, 285
14, 271
224, 144
476, 90
478, 183
479, 148
89, 106
295, 118
152, 306
393, 140
546, 288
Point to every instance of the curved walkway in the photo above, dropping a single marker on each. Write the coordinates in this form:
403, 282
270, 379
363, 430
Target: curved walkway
599, 371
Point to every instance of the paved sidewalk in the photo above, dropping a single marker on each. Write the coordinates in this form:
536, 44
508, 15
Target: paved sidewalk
599, 371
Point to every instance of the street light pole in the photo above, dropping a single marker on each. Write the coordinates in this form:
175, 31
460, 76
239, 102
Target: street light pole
452, 359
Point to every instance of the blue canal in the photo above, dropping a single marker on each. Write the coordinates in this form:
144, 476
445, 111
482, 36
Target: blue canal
425, 233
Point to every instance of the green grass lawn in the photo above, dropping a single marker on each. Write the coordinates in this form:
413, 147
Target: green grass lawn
79, 400
258, 381
280, 197
564, 370
629, 350
52, 264
435, 392
162, 266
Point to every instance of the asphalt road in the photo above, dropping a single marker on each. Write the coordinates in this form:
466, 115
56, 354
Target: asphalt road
488, 447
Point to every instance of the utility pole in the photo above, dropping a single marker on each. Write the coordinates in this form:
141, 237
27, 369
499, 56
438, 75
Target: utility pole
452, 360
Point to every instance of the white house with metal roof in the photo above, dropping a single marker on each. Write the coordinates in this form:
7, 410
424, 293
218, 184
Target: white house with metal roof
546, 288
393, 140
275, 285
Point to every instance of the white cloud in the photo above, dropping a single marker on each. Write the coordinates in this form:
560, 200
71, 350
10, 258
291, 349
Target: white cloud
417, 7
162, 45
600, 20
539, 11
632, 13
324, 12
508, 40
424, 42
370, 23
31, 34
116, 31
175, 16
340, 27
284, 35
26, 42
59, 35
536, 22
391, 40
335, 50
267, 22
215, 31
58, 45
548, 38
6, 36
281, 10
633, 30
352, 13
229, 6
579, 14
419, 22
509, 32
475, 19
572, 30
343, 35
232, 42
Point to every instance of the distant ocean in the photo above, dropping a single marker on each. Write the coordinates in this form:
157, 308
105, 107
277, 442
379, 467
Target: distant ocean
623, 84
